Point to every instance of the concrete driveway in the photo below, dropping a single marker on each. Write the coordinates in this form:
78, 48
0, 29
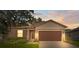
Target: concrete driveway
55, 44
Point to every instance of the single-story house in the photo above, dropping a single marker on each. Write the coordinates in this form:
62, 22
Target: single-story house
43, 31
74, 33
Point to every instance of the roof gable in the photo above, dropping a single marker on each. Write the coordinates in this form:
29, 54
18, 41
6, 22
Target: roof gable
51, 25
53, 22
57, 23
35, 25
75, 29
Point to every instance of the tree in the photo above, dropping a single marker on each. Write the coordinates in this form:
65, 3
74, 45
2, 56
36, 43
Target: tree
39, 19
10, 18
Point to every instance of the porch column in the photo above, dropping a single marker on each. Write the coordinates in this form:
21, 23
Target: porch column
63, 36
37, 35
27, 34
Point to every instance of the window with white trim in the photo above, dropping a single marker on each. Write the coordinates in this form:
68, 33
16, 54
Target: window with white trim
19, 33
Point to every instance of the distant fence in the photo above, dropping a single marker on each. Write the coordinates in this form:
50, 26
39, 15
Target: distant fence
72, 36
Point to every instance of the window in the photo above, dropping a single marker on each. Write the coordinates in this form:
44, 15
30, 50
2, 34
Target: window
19, 33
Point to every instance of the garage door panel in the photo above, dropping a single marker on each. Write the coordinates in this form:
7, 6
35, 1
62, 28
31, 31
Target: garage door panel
50, 35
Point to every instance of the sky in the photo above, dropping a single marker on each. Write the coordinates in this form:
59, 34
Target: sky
69, 18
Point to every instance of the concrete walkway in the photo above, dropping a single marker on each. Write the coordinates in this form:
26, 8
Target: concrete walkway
55, 44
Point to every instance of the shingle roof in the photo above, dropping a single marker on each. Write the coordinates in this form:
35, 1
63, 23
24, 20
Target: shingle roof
76, 29
34, 25
43, 22
37, 24
57, 23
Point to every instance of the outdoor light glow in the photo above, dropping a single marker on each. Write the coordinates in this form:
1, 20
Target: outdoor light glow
63, 37
36, 35
19, 33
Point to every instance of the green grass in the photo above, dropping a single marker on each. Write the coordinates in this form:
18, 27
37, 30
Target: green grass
3, 45
18, 43
32, 45
76, 42
72, 41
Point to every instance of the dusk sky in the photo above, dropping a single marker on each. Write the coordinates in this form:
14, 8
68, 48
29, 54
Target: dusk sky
67, 17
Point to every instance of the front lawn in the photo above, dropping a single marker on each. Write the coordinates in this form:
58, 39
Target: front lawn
76, 42
18, 43
72, 41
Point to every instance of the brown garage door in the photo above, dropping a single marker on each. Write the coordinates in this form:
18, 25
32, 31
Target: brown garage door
50, 35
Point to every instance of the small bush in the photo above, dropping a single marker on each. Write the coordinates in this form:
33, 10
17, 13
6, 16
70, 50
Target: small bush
36, 40
17, 43
14, 42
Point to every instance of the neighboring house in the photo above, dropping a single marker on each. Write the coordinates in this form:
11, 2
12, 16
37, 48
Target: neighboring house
43, 31
74, 34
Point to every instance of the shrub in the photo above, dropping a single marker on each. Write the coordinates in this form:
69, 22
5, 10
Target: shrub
36, 40
14, 42
17, 43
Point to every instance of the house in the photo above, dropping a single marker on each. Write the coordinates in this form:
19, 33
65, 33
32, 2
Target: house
74, 33
43, 31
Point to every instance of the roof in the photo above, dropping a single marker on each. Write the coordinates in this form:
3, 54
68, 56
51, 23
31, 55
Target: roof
32, 26
19, 27
43, 22
76, 29
57, 23
37, 24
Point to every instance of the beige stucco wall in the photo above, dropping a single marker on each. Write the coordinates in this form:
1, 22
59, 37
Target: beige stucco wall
13, 32
50, 26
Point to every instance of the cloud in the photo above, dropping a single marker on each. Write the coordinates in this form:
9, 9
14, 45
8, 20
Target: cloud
68, 17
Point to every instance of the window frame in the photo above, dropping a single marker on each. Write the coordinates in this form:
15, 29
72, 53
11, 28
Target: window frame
19, 33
